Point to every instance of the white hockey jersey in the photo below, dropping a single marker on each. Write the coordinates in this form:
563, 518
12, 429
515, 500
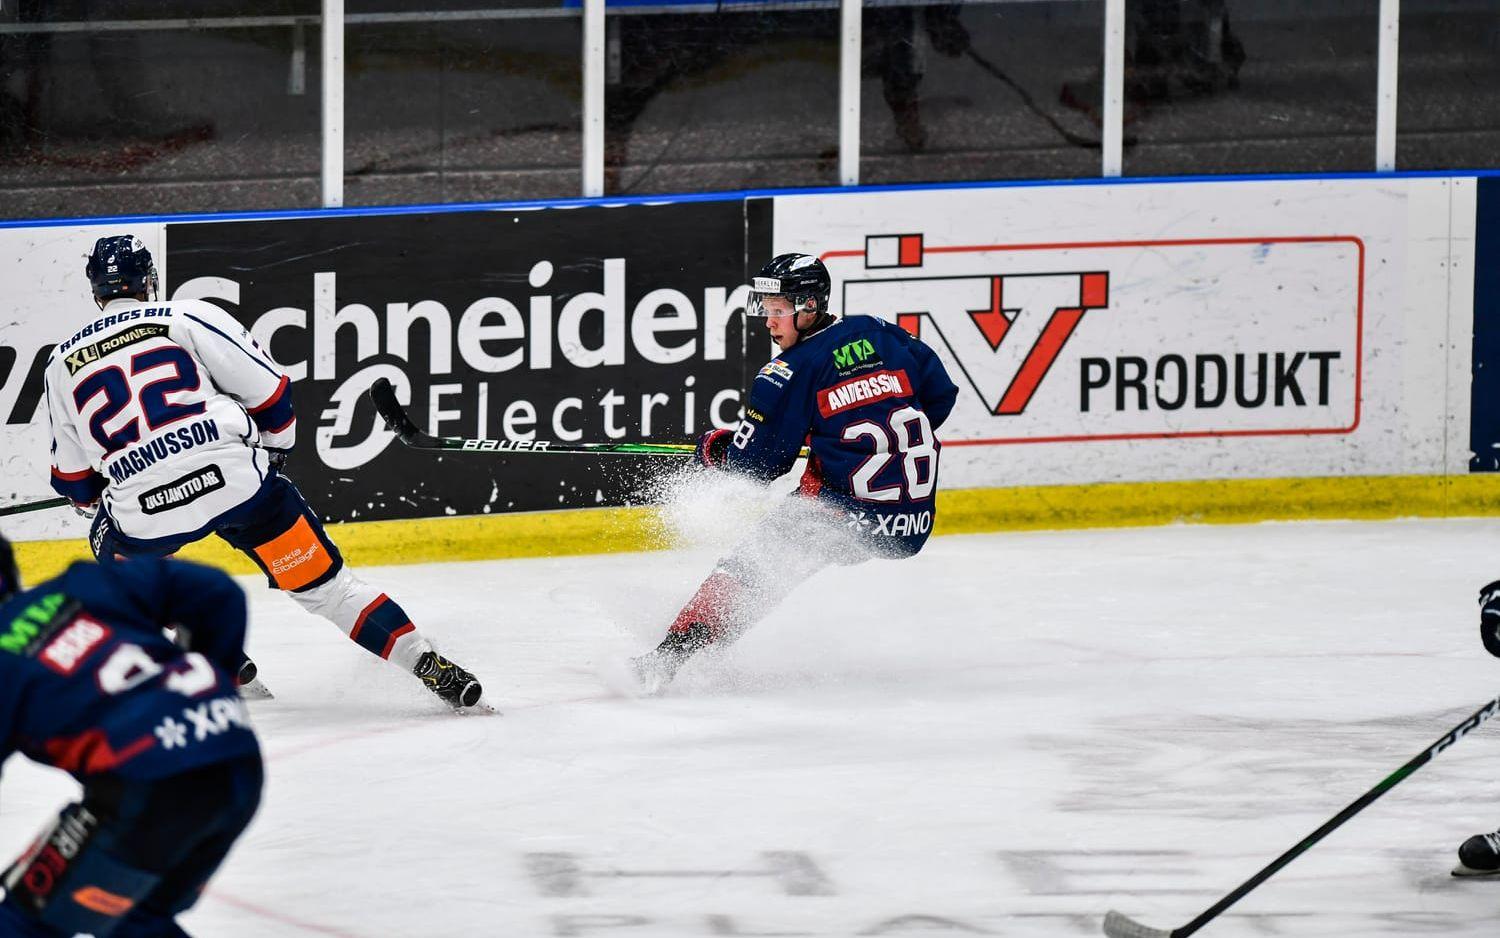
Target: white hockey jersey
162, 409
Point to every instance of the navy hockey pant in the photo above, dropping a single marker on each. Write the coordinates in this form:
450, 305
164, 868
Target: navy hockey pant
803, 536
124, 861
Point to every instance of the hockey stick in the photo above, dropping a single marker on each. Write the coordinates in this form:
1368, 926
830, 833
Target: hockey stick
383, 396
34, 506
1121, 926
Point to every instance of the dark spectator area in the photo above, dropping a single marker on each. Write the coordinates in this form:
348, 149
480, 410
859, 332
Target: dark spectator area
213, 105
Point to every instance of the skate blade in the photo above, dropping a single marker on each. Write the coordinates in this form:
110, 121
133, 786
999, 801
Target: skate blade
481, 708
256, 690
1468, 872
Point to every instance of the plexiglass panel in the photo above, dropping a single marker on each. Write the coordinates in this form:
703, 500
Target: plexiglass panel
157, 107
983, 90
1215, 86
1448, 101
166, 106
473, 102
742, 97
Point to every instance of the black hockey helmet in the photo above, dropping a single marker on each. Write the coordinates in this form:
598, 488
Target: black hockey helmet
10, 577
798, 277
120, 265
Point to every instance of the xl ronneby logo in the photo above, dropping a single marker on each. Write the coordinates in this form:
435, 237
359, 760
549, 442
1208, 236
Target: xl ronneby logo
1126, 339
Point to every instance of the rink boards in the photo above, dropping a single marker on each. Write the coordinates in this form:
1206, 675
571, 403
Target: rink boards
1126, 353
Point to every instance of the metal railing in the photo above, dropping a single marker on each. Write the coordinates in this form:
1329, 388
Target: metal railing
595, 49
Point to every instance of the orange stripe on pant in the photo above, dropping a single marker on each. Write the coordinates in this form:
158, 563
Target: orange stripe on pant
295, 558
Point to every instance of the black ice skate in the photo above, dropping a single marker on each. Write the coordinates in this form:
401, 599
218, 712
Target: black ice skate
457, 687
1479, 856
251, 686
656, 669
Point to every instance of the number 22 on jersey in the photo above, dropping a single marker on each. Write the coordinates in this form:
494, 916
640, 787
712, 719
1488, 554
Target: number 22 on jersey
153, 375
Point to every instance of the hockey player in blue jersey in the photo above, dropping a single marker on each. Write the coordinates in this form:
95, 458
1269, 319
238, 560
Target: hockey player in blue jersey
173, 423
866, 398
1480, 855
154, 730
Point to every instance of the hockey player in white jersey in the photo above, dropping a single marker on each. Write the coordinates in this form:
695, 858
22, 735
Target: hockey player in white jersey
172, 421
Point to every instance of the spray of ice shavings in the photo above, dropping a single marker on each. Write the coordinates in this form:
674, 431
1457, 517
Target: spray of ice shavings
721, 516
705, 509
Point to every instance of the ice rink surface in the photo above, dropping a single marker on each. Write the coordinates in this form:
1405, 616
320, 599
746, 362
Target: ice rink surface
1007, 735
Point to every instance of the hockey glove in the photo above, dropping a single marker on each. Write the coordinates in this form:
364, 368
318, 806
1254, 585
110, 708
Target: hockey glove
102, 539
86, 512
1489, 618
277, 459
713, 448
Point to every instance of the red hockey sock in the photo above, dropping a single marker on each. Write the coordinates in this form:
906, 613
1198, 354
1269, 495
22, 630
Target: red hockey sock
714, 605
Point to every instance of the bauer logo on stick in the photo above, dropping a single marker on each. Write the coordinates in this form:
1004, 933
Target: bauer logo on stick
503, 446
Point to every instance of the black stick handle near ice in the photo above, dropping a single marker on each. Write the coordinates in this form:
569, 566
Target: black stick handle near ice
34, 506
1117, 925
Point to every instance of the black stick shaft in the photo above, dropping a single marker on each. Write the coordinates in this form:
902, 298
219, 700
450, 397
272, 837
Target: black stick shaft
383, 396
1031, 105
34, 506
1359, 804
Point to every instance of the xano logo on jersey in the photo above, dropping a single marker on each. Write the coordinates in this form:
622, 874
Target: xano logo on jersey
901, 524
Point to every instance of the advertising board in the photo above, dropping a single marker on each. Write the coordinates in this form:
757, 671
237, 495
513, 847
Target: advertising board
601, 323
1158, 331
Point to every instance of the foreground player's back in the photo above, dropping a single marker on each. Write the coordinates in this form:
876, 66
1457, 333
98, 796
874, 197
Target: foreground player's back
89, 683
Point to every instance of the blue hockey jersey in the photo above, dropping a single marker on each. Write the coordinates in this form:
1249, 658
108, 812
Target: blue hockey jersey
90, 684
866, 397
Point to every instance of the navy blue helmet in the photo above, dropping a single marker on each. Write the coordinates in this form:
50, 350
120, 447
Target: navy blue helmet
798, 277
120, 265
